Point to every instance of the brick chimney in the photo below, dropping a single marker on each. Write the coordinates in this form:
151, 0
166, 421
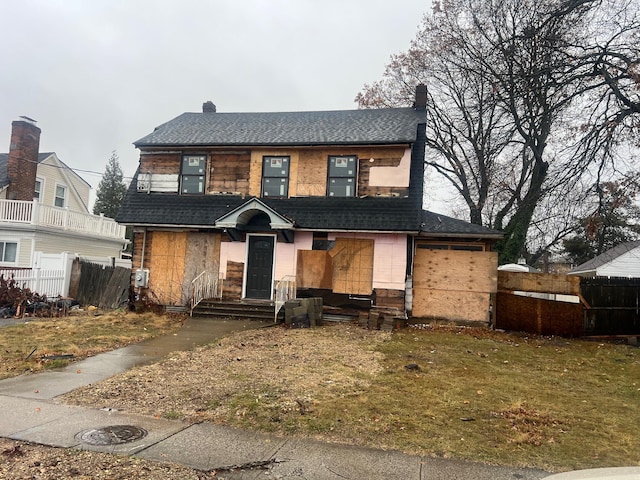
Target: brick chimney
22, 163
421, 97
208, 107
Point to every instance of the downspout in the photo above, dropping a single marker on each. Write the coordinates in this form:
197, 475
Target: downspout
144, 246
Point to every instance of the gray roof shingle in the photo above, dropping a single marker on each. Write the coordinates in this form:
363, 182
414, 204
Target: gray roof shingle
606, 257
374, 126
313, 213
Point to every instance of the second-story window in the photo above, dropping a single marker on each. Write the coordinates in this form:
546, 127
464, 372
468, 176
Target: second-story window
38, 190
275, 176
61, 196
342, 176
193, 173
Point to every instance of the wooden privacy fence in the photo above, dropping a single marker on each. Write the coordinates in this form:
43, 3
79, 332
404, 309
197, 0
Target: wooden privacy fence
522, 304
613, 305
99, 285
529, 302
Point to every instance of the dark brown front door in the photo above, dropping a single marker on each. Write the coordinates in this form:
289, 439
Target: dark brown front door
260, 267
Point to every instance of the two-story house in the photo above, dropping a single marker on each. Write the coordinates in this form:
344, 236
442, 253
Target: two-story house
44, 216
329, 199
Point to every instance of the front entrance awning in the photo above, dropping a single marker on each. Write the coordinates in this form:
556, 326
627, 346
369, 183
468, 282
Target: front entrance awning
251, 213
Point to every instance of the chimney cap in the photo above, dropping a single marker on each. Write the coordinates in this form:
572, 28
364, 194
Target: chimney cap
24, 118
208, 107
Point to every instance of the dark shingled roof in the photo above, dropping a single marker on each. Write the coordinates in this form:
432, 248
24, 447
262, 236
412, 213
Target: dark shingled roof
313, 213
435, 223
374, 126
4, 159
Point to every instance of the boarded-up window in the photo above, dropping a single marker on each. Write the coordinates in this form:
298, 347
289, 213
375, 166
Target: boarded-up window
314, 269
167, 267
353, 266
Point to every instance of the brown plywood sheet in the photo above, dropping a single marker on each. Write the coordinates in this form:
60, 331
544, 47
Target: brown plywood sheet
352, 266
451, 305
455, 270
314, 269
166, 267
232, 287
539, 282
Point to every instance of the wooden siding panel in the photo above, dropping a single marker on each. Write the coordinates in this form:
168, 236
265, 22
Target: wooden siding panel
537, 315
161, 163
232, 289
166, 267
229, 173
353, 266
314, 269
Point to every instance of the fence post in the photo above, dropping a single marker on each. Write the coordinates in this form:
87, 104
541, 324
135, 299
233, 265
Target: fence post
36, 280
35, 212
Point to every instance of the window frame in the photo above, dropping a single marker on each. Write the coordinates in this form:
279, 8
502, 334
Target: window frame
56, 196
3, 251
334, 175
187, 177
37, 192
283, 175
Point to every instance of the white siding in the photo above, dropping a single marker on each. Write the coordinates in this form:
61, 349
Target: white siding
626, 265
53, 172
55, 243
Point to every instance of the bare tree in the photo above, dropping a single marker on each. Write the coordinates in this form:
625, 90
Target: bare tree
527, 99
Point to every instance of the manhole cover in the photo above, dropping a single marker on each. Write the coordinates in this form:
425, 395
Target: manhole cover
112, 435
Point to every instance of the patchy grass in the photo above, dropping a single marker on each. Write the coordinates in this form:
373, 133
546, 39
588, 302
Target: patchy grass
499, 398
25, 347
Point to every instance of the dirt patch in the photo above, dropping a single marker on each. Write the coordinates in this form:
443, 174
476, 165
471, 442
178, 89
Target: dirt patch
290, 370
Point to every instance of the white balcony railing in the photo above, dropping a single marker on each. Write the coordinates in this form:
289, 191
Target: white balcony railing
19, 211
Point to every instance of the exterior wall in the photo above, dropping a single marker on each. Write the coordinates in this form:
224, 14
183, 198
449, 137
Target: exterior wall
174, 259
626, 265
53, 173
52, 242
381, 170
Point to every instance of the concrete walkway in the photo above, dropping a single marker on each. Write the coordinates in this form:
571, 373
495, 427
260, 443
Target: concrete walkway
29, 412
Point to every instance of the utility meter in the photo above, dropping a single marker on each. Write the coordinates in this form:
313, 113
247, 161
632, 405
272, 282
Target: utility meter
141, 278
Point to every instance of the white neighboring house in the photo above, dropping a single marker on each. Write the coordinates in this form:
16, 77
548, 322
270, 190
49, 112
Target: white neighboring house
621, 261
44, 218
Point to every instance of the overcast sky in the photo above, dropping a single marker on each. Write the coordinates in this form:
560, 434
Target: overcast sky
98, 75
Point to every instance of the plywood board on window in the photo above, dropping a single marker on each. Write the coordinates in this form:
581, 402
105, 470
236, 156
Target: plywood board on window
456, 270
203, 254
352, 266
166, 267
314, 269
451, 305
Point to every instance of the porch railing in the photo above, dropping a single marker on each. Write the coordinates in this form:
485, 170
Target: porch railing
206, 285
20, 211
285, 290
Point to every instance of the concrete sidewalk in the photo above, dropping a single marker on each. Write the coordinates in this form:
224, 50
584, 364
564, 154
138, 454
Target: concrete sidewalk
30, 413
